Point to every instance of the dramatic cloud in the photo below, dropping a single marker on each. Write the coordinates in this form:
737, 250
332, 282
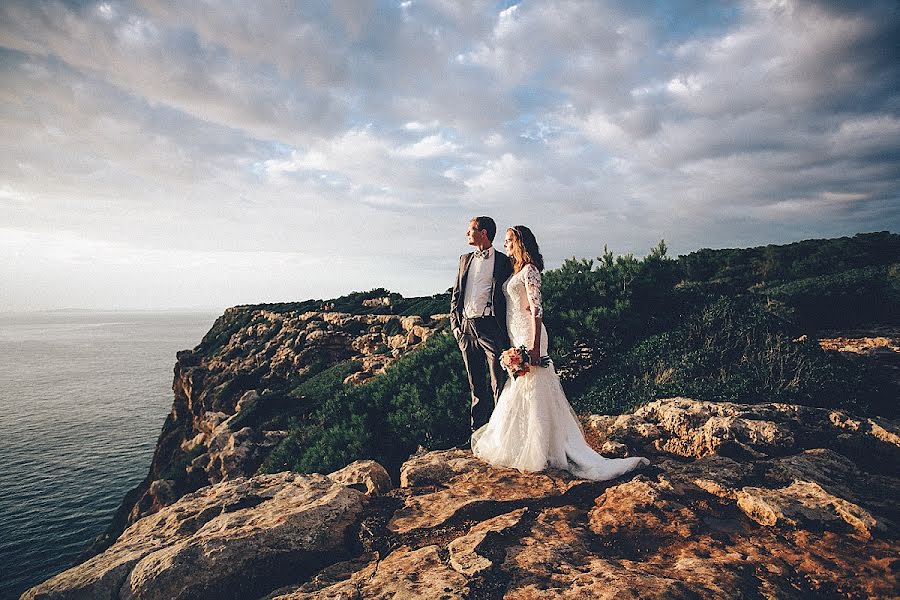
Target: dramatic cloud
160, 154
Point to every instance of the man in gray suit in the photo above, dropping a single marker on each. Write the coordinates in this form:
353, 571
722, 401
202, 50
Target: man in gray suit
478, 316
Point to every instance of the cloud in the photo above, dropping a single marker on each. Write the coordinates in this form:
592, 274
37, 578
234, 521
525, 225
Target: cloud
197, 133
429, 147
167, 64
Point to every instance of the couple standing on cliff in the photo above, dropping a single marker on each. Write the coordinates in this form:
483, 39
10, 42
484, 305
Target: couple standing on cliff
524, 420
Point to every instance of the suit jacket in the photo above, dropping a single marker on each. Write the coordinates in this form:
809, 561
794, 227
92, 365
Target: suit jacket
502, 271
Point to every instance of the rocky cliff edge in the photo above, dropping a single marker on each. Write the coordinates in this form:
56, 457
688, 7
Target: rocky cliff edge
762, 501
233, 394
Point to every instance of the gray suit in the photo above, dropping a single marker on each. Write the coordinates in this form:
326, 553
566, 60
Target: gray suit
482, 339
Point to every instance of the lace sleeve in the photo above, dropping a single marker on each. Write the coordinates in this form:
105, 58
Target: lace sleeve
533, 289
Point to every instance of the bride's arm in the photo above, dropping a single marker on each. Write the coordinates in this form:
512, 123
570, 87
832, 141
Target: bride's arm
535, 351
533, 291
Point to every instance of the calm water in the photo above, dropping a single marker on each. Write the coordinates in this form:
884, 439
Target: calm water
83, 396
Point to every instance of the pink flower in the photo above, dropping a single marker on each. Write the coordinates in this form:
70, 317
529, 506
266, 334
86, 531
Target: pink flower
516, 361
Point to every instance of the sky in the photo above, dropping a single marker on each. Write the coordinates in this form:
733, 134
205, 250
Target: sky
158, 154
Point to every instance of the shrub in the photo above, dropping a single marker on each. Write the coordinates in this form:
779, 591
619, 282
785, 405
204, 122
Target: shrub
325, 384
422, 399
848, 298
731, 350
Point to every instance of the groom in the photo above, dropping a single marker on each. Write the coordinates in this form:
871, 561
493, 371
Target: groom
478, 316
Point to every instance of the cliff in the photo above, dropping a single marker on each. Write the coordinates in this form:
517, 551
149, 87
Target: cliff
235, 393
769, 500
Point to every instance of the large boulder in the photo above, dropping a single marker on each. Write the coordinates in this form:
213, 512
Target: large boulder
366, 476
238, 539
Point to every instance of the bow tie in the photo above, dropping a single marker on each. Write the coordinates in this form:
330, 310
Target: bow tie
482, 253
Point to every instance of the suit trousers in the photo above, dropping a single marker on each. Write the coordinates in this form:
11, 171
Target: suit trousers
482, 341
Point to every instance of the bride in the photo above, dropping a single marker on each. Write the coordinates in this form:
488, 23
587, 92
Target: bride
533, 426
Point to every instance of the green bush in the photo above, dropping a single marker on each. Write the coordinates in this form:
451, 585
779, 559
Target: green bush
325, 384
849, 298
422, 399
740, 269
425, 306
732, 350
714, 325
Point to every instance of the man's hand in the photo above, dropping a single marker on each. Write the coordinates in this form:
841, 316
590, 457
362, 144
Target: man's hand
534, 354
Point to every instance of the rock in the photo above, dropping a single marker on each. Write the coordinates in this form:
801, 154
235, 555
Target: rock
358, 378
338, 319
436, 467
230, 451
367, 344
801, 503
763, 501
395, 342
404, 573
469, 485
556, 559
726, 435
367, 476
693, 429
410, 323
267, 529
164, 490
611, 449
247, 401
464, 556
716, 475
831, 470
375, 364
631, 428
329, 339
641, 505
247, 351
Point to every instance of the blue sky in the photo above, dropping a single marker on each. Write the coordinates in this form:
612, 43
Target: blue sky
207, 154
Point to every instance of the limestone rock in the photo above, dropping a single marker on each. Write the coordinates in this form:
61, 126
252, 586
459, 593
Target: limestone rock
436, 467
243, 376
803, 502
229, 452
238, 539
366, 476
612, 449
410, 323
716, 475
404, 573
467, 485
464, 556
693, 429
357, 378
367, 344
395, 342
765, 501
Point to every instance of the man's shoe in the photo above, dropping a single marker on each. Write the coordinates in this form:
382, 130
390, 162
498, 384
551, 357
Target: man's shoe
466, 445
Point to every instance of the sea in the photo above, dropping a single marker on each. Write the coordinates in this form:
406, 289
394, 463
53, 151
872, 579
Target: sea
83, 397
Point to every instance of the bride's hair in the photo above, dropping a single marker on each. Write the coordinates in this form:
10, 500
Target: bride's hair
525, 249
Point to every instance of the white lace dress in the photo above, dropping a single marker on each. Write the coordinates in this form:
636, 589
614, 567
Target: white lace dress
533, 427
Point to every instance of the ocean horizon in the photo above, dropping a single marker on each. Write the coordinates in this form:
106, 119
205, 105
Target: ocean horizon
85, 394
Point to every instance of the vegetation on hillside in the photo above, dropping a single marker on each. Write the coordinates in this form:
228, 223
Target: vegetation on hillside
714, 324
420, 400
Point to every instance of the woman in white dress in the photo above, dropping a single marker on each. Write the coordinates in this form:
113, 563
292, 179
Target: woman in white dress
533, 427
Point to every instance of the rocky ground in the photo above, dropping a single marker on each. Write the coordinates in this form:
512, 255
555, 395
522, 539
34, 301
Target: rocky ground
880, 345
764, 501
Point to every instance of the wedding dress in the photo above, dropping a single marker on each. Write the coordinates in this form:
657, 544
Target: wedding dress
533, 427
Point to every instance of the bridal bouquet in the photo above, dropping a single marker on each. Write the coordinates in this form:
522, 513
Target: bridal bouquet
517, 361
